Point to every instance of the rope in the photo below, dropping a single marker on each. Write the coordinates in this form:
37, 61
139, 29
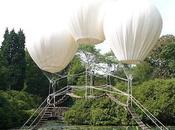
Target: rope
145, 110
33, 114
116, 101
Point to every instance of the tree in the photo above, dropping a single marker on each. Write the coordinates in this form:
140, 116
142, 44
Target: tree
89, 55
36, 81
158, 97
75, 70
162, 60
15, 108
142, 72
21, 58
3, 74
13, 54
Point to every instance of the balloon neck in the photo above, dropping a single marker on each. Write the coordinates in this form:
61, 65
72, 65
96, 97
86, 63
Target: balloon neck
88, 40
130, 61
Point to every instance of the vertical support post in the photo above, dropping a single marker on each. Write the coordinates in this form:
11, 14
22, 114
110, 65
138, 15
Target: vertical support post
129, 77
86, 78
128, 91
50, 85
107, 76
53, 88
110, 83
130, 88
91, 82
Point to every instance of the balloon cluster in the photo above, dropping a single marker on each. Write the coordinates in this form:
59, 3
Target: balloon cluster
130, 27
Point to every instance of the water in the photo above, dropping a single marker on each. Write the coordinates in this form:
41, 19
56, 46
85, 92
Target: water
58, 126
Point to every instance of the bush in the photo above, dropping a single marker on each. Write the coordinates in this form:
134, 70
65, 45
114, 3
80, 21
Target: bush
14, 106
158, 96
96, 112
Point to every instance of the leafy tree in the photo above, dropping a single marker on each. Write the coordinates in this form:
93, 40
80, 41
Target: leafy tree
158, 97
75, 70
3, 74
36, 81
96, 112
14, 106
142, 72
89, 55
162, 61
13, 54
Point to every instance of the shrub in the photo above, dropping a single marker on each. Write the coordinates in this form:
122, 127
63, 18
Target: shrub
13, 108
158, 96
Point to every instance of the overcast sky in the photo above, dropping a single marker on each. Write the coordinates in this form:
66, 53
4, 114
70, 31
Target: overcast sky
33, 16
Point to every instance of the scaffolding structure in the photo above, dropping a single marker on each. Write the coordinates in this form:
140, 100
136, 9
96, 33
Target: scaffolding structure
89, 88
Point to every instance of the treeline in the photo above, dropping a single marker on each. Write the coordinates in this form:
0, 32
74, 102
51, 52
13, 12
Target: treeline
17, 69
22, 84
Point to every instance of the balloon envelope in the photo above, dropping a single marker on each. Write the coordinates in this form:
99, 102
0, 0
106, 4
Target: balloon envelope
86, 20
132, 28
52, 53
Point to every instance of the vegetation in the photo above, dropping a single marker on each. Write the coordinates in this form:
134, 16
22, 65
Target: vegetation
23, 85
14, 108
158, 96
13, 55
96, 112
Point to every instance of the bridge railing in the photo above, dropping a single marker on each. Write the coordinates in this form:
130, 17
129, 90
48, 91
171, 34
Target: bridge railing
32, 119
38, 110
159, 124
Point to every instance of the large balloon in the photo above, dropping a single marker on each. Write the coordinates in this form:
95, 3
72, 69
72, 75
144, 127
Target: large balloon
53, 52
132, 28
86, 20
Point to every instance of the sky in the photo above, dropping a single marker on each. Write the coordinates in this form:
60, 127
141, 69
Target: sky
36, 17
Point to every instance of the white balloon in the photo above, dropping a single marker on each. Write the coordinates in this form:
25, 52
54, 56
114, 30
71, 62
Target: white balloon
86, 20
54, 51
132, 28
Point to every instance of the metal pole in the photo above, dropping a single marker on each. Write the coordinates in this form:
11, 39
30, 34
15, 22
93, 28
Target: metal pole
91, 83
130, 86
50, 85
128, 91
86, 78
129, 79
53, 88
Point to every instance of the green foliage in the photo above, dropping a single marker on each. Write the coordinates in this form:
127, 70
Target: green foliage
162, 58
3, 74
76, 67
79, 113
13, 55
18, 71
142, 72
158, 96
12, 108
89, 55
96, 112
36, 82
109, 58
